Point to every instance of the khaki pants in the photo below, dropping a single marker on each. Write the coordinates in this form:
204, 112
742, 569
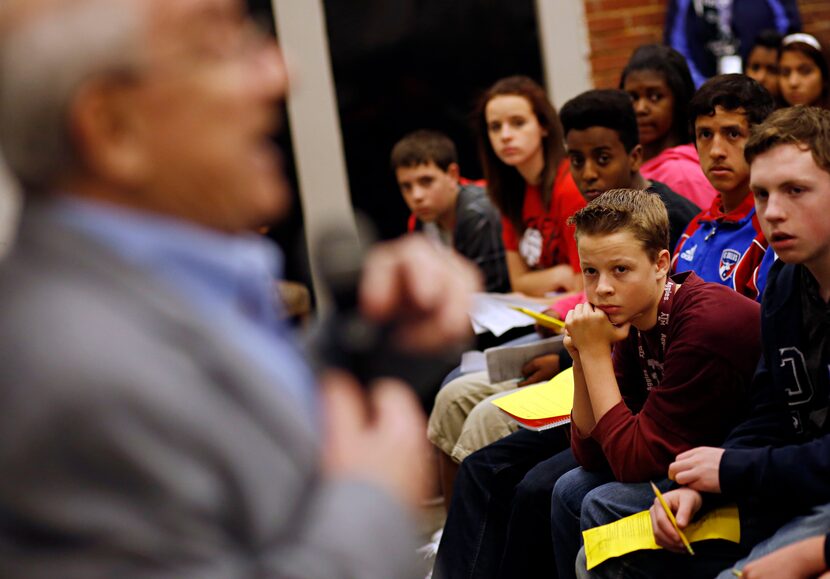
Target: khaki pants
463, 420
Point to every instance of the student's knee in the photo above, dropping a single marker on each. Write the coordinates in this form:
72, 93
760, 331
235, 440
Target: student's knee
565, 500
453, 404
534, 493
595, 509
485, 425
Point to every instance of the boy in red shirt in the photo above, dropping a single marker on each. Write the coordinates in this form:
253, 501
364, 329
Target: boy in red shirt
656, 370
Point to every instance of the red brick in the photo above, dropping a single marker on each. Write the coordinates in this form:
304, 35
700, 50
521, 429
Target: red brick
603, 23
626, 41
607, 5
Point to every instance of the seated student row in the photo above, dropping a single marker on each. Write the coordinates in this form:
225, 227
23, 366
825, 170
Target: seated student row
775, 463
500, 491
612, 162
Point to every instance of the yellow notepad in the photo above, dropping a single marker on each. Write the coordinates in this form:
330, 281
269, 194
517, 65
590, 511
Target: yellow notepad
635, 533
541, 406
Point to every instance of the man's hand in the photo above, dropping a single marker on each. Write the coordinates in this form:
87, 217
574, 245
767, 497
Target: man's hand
425, 291
684, 503
698, 469
539, 369
376, 437
799, 560
589, 327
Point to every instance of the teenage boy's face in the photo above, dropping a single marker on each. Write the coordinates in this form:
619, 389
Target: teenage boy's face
620, 277
428, 191
792, 195
720, 139
599, 161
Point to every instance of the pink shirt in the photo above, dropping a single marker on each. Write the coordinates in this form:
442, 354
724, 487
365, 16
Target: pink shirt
679, 168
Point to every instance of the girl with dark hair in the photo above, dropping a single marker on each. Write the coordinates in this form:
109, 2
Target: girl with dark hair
803, 72
529, 180
762, 62
660, 85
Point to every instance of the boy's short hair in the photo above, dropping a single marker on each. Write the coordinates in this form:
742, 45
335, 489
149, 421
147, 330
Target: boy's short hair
424, 147
639, 212
732, 92
607, 108
807, 127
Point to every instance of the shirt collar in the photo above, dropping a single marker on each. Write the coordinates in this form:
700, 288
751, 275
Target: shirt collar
741, 212
217, 263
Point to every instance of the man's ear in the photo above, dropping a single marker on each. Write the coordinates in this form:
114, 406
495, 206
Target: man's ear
663, 263
635, 158
106, 130
454, 172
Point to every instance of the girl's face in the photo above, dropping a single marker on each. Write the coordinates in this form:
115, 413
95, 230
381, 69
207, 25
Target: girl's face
762, 66
653, 103
514, 131
800, 78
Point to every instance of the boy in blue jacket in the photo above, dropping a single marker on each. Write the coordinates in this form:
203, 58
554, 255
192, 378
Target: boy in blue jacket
776, 464
724, 242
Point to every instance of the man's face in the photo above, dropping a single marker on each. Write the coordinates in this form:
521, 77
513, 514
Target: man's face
599, 161
206, 107
429, 192
720, 140
620, 277
792, 196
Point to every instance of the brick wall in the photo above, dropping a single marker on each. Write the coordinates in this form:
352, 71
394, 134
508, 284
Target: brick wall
617, 27
816, 17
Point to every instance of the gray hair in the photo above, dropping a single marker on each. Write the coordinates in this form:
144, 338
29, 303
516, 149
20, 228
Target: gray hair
46, 55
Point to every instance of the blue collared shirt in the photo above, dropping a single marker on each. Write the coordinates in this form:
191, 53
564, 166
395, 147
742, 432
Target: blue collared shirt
227, 278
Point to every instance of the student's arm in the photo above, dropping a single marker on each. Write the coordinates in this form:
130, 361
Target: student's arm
586, 450
559, 278
595, 382
593, 335
797, 475
479, 239
804, 559
702, 394
540, 282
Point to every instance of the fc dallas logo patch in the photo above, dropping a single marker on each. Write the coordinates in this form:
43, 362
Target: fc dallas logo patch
728, 260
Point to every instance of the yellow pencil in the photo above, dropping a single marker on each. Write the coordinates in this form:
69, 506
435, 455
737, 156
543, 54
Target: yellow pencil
547, 321
670, 515
737, 573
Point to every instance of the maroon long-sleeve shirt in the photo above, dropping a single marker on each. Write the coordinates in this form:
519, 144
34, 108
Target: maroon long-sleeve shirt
712, 349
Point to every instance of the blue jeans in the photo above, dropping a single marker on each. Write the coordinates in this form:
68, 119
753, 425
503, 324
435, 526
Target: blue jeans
815, 524
613, 501
499, 520
566, 508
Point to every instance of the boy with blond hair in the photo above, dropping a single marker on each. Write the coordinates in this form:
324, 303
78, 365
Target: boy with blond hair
652, 376
776, 463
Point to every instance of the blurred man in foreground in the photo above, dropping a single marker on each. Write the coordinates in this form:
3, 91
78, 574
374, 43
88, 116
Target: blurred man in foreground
156, 420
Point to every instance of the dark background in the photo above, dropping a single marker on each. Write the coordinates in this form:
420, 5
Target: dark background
402, 65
